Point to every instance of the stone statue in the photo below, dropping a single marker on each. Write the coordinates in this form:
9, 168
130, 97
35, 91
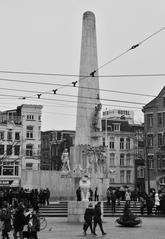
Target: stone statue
85, 185
65, 160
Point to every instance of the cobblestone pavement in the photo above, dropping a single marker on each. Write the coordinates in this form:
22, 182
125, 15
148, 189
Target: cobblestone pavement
59, 228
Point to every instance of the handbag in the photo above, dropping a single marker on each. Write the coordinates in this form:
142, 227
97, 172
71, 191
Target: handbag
85, 226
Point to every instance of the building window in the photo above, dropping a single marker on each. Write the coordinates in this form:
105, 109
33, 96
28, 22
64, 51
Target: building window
164, 139
149, 120
1, 135
29, 166
29, 132
160, 140
9, 150
39, 132
39, 118
140, 172
128, 160
121, 176
17, 150
111, 180
112, 159
16, 170
128, 143
150, 161
163, 163
112, 143
128, 176
17, 135
2, 149
116, 127
160, 119
29, 150
163, 100
121, 143
30, 117
8, 170
121, 159
150, 140
163, 119
9, 135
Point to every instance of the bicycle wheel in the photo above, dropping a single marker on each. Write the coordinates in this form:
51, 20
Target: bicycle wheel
43, 223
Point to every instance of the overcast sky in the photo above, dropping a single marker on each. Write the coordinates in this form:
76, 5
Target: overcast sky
45, 36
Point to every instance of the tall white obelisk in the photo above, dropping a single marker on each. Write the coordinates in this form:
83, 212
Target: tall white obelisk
88, 115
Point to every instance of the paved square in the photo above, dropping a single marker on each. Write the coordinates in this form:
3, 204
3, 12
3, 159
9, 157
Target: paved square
59, 228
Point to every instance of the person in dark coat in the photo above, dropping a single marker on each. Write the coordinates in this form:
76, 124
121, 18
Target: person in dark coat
47, 196
88, 216
19, 222
97, 219
113, 200
78, 194
34, 225
96, 195
6, 226
90, 195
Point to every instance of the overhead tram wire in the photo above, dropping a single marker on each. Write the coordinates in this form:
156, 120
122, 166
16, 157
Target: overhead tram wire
50, 93
54, 84
76, 75
84, 97
129, 49
47, 99
66, 105
92, 74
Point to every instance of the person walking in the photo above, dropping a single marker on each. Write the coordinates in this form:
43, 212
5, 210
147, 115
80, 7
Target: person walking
142, 204
19, 222
113, 201
34, 225
90, 195
127, 197
157, 204
97, 219
78, 194
88, 216
108, 196
6, 223
96, 196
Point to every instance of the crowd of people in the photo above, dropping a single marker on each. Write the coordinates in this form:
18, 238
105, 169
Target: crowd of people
93, 196
27, 196
19, 208
150, 201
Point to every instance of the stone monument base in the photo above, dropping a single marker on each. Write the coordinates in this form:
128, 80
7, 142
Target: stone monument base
76, 210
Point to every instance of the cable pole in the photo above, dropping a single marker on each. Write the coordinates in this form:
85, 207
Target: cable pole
147, 164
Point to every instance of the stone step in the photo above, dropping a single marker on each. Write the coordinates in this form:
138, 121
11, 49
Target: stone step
60, 209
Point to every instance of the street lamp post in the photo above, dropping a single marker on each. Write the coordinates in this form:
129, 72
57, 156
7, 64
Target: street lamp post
107, 142
147, 164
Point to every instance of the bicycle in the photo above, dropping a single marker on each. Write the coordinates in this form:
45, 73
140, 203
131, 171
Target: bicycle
43, 223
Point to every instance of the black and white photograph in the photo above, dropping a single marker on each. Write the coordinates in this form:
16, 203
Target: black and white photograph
82, 119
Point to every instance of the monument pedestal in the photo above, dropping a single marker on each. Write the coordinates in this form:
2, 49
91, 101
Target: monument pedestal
76, 210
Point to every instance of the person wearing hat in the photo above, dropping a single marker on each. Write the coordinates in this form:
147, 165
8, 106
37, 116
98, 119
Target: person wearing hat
88, 216
97, 219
